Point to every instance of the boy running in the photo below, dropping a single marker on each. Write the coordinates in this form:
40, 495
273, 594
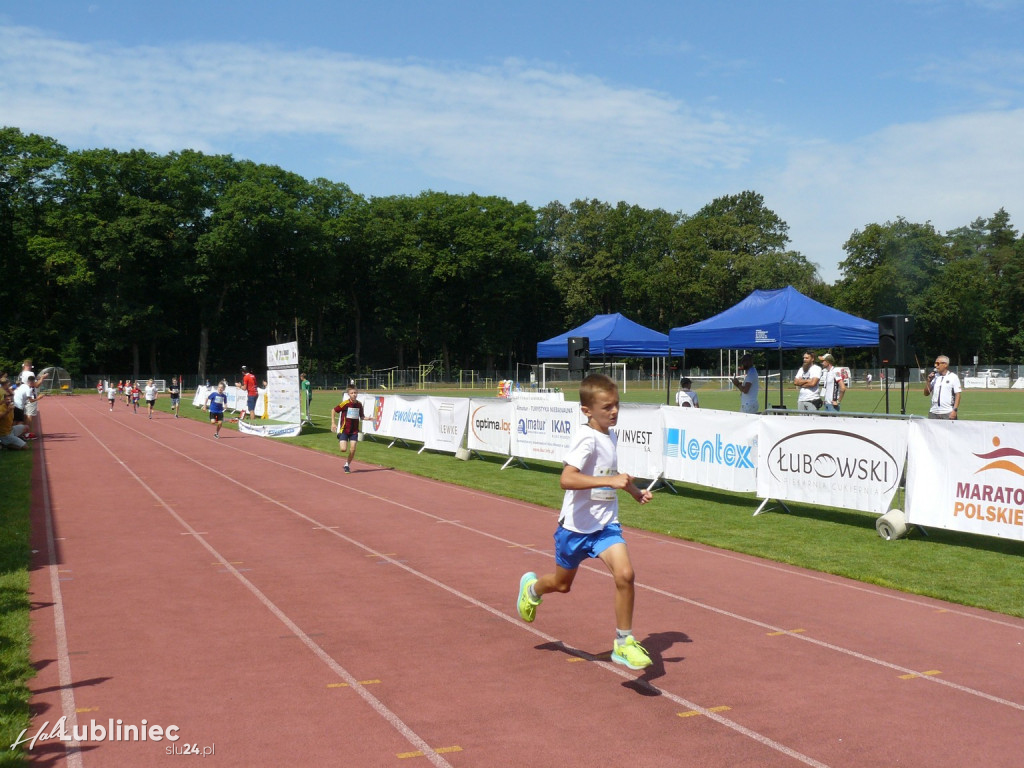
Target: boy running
111, 394
150, 396
217, 402
348, 424
588, 525
175, 392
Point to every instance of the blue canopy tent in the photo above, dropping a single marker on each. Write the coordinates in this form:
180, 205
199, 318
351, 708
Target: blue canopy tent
610, 335
779, 319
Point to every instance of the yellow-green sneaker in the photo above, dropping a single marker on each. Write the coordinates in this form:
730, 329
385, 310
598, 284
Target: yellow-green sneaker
631, 654
526, 605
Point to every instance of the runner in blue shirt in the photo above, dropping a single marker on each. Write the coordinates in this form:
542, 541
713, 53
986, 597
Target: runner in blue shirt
217, 402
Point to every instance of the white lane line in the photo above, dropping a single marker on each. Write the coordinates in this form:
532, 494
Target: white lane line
72, 749
378, 706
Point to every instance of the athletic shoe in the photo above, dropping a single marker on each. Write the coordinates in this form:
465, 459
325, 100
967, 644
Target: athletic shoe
29, 436
217, 435
526, 605
631, 654
347, 470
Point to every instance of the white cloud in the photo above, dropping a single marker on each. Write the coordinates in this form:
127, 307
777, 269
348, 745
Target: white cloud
531, 129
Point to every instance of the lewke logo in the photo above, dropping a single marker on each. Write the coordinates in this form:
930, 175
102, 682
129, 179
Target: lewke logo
834, 456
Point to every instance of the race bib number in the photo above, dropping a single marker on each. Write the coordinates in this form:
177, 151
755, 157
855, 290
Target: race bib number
605, 493
352, 413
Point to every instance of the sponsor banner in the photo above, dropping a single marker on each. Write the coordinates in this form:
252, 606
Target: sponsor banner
639, 446
270, 430
490, 425
712, 448
520, 394
377, 409
837, 462
446, 423
409, 414
967, 476
543, 430
282, 395
283, 355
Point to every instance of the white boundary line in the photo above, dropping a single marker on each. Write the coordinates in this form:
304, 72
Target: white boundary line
72, 749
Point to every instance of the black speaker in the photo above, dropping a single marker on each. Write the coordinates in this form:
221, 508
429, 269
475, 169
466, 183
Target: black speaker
579, 353
896, 341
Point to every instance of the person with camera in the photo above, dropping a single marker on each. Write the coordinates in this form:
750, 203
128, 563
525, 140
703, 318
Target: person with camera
807, 380
944, 388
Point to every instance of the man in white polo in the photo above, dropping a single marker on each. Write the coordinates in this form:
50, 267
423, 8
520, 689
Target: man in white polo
944, 388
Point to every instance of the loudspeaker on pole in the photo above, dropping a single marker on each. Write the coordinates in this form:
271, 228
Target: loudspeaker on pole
579, 353
896, 341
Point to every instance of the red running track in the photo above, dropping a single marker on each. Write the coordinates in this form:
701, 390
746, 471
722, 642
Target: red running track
278, 612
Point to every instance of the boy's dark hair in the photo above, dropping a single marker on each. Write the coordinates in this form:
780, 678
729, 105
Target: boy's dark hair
594, 383
685, 383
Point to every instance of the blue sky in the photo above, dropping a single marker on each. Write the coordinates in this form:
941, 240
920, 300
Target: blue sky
841, 114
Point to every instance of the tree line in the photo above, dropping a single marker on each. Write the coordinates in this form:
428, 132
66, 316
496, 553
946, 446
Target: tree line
193, 263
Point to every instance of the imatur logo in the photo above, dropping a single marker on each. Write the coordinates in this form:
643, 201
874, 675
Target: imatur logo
833, 455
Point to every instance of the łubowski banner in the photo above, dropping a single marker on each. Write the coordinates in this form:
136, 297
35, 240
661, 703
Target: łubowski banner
847, 463
967, 476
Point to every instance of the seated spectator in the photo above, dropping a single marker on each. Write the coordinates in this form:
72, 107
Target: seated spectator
10, 434
686, 397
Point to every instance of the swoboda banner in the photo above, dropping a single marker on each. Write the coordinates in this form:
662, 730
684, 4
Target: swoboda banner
967, 476
712, 448
838, 462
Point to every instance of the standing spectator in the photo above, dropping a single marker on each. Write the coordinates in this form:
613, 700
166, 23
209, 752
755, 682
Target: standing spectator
20, 400
944, 387
217, 402
833, 383
685, 397
150, 396
750, 385
26, 371
350, 412
307, 395
808, 381
252, 392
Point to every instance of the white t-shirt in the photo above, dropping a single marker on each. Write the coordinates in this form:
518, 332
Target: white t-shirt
151, 392
22, 395
944, 389
687, 399
748, 399
592, 453
23, 377
111, 391
809, 393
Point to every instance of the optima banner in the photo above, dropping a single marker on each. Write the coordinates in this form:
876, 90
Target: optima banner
490, 425
712, 448
838, 462
967, 476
